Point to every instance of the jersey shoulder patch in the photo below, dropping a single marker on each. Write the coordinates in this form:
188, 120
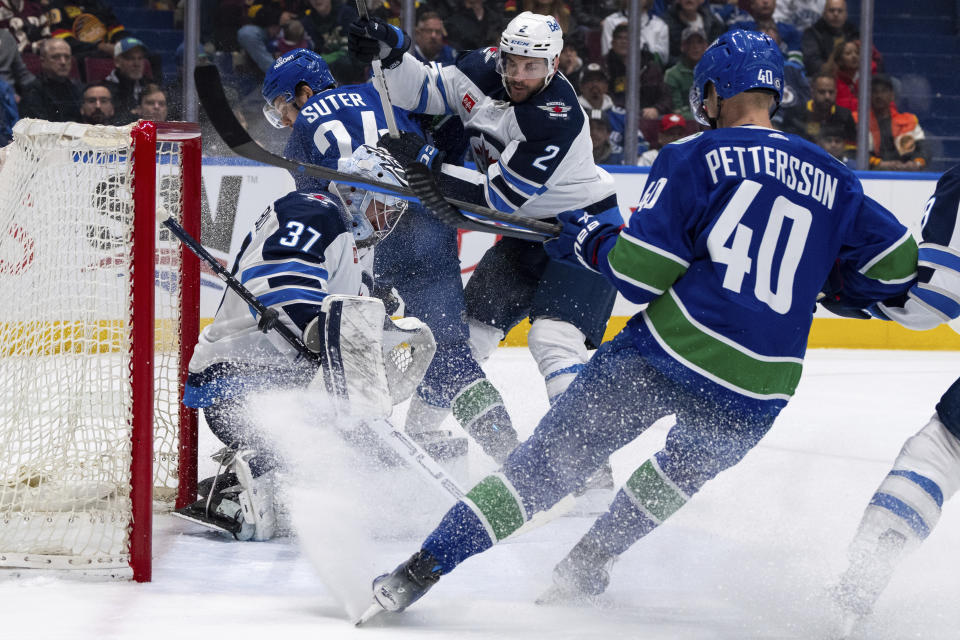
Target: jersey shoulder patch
555, 112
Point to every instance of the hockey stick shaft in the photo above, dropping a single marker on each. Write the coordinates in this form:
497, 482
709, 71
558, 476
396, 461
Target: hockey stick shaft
380, 82
268, 317
210, 91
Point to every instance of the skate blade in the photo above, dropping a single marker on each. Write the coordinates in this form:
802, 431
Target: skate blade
368, 614
213, 526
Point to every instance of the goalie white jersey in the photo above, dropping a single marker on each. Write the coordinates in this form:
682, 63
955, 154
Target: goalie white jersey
534, 158
299, 251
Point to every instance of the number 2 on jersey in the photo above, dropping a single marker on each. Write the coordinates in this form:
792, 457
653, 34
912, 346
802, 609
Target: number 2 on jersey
729, 244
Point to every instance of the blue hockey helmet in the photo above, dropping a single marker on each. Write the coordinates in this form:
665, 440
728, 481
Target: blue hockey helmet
737, 61
300, 66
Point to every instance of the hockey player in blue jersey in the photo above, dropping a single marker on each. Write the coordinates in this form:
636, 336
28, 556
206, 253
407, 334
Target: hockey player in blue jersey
906, 506
731, 242
303, 247
420, 259
530, 141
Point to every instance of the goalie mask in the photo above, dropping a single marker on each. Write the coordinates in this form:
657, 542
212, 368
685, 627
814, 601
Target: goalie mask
533, 36
371, 215
300, 66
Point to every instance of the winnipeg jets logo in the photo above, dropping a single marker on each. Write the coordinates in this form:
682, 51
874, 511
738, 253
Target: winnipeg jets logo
555, 109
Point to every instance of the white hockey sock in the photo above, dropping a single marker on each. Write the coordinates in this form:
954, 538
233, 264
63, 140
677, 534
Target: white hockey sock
559, 350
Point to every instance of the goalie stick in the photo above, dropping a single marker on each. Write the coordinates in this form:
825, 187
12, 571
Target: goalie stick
214, 100
407, 450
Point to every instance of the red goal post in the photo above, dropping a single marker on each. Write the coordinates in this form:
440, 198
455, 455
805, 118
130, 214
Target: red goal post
101, 317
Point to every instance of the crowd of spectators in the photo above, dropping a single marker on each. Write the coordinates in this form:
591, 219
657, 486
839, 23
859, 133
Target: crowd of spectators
66, 60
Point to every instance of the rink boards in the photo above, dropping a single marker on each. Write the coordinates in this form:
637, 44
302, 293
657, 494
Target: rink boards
235, 192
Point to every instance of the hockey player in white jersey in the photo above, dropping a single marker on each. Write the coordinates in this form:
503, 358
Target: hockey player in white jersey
531, 145
906, 506
419, 260
302, 248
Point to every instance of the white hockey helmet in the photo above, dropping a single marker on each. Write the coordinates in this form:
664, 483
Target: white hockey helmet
375, 164
533, 35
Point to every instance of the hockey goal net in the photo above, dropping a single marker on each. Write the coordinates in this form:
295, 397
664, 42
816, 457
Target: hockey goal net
98, 317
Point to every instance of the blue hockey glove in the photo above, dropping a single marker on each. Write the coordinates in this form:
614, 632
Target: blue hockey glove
374, 39
581, 237
410, 148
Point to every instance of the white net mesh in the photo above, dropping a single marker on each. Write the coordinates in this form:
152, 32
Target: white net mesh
66, 236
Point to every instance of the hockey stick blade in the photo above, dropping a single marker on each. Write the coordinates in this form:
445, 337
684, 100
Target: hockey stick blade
420, 179
214, 101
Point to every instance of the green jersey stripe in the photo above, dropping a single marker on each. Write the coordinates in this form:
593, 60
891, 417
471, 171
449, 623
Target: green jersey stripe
643, 265
895, 265
720, 359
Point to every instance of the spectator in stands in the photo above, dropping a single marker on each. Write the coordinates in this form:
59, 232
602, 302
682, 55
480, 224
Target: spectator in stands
597, 103
267, 19
128, 78
655, 98
673, 126
26, 20
12, 69
679, 77
822, 38
897, 143
326, 22
153, 104
761, 19
474, 26
428, 44
800, 13
822, 110
55, 96
831, 138
684, 14
556, 8
292, 36
844, 64
594, 86
571, 64
654, 33
89, 26
603, 150
97, 105
796, 89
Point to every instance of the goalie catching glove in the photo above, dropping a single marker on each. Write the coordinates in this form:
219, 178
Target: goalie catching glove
370, 362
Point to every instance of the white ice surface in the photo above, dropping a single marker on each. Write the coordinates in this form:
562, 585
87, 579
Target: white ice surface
748, 557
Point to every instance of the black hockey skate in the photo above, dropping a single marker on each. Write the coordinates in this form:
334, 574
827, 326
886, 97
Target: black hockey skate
580, 577
219, 506
402, 587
